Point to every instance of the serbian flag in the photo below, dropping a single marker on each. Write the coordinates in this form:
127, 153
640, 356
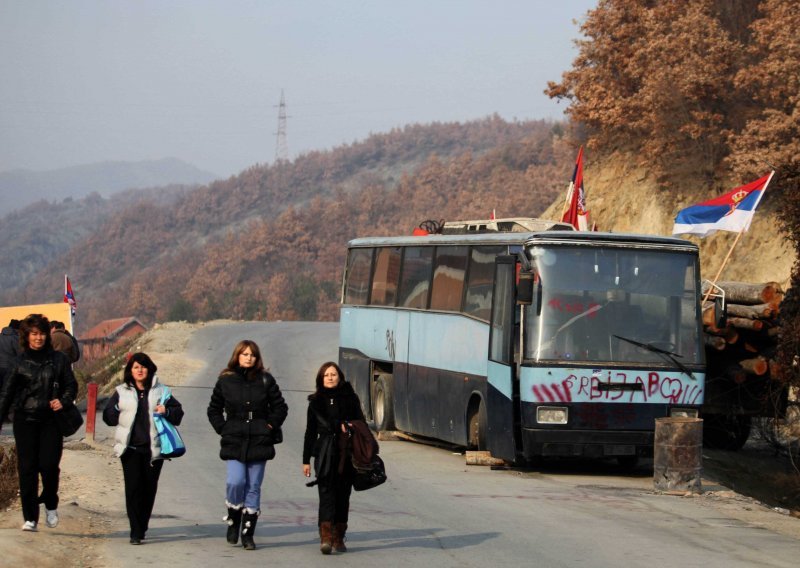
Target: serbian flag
575, 211
69, 295
730, 212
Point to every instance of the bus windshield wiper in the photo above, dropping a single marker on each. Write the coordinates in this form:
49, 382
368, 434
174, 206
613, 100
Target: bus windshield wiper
669, 354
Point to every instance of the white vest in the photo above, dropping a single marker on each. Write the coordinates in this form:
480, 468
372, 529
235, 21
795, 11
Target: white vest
128, 404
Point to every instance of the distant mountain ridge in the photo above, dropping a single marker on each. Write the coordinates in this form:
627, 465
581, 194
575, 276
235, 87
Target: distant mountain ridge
19, 188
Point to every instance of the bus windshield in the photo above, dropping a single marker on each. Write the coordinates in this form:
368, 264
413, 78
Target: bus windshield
614, 305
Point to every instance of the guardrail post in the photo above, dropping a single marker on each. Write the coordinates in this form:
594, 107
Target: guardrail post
91, 409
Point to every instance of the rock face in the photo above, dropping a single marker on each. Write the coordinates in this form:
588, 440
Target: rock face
622, 197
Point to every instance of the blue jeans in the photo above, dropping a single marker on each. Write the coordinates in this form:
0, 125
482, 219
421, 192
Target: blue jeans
243, 486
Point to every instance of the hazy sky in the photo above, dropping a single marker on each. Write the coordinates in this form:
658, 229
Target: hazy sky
88, 81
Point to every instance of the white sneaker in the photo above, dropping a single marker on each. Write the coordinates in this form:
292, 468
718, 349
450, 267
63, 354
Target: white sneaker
30, 526
51, 518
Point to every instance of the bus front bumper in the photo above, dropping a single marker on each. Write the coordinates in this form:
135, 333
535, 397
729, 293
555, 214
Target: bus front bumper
586, 443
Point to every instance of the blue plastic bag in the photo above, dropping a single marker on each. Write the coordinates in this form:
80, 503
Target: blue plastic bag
172, 445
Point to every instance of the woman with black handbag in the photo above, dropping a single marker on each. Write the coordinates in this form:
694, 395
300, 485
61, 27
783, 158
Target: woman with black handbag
137, 443
331, 407
39, 385
247, 410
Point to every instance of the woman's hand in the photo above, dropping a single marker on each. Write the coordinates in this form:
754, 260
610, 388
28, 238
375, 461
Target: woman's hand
307, 469
56, 405
160, 409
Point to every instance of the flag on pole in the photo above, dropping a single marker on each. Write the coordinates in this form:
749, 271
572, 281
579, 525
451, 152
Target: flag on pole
730, 212
575, 211
69, 295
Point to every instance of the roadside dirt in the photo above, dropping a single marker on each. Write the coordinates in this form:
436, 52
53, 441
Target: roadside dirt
744, 485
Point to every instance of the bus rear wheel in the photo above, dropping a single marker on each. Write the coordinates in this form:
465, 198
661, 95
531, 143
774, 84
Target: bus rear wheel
478, 424
382, 404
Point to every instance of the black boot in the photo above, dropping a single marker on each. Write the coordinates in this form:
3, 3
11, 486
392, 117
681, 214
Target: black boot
248, 530
234, 520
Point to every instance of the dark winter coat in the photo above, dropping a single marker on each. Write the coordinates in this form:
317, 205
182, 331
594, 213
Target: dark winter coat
327, 410
247, 411
64, 341
30, 384
9, 350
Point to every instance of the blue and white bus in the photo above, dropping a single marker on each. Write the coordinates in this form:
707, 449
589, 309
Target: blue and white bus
524, 340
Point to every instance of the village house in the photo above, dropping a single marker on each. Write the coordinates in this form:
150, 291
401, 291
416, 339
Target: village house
107, 334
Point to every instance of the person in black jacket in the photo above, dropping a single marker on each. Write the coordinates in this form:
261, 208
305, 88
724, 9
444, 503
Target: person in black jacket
331, 407
39, 384
9, 347
247, 410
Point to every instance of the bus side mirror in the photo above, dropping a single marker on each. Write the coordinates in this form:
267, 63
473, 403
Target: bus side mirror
720, 313
525, 289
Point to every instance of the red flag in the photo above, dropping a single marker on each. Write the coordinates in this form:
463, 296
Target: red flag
575, 212
492, 217
69, 295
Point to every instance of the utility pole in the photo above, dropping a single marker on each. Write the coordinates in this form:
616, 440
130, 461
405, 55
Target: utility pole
281, 149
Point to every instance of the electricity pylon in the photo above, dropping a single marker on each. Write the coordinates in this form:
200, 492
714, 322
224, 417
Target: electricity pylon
281, 149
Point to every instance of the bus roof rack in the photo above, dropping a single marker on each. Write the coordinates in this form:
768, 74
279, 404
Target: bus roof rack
508, 225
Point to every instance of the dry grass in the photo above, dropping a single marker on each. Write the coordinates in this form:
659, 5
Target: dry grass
9, 482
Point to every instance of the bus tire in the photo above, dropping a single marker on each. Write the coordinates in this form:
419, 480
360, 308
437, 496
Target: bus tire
478, 426
382, 404
726, 432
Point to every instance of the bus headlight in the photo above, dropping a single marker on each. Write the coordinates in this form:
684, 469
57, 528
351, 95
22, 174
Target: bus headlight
683, 413
552, 414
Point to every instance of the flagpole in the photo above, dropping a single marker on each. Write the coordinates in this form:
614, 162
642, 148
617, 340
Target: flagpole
735, 242
724, 262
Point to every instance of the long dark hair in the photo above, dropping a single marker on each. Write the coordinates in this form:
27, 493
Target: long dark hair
233, 363
34, 321
145, 361
320, 380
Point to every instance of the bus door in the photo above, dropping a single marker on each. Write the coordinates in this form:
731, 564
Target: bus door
501, 384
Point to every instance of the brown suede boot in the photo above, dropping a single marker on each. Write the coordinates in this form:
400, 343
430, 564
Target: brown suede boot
325, 537
339, 529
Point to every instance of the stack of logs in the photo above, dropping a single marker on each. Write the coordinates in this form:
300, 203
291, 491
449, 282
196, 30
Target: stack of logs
749, 337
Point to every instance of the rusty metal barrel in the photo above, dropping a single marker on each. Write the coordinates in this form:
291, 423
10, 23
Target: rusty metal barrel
678, 454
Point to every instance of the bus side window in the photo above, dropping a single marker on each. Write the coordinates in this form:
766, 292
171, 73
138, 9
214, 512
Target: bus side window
448, 278
415, 277
480, 281
359, 268
386, 277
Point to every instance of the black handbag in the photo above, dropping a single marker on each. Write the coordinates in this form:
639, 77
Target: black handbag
372, 477
68, 419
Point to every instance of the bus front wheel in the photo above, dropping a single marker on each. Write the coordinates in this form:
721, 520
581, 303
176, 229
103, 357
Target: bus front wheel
382, 404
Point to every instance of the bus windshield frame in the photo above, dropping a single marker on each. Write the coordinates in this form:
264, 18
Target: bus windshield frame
614, 305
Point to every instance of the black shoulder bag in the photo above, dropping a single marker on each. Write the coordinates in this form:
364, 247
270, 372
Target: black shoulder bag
69, 418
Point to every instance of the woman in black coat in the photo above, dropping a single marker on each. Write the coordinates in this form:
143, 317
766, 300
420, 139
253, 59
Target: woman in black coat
247, 410
39, 384
331, 407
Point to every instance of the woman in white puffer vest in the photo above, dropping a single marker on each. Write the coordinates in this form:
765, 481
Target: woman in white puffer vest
136, 437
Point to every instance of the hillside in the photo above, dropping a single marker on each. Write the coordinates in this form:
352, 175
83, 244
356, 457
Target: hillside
37, 234
624, 197
270, 242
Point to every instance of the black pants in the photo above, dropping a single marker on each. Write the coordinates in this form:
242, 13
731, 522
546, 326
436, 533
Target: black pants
334, 494
39, 448
141, 485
